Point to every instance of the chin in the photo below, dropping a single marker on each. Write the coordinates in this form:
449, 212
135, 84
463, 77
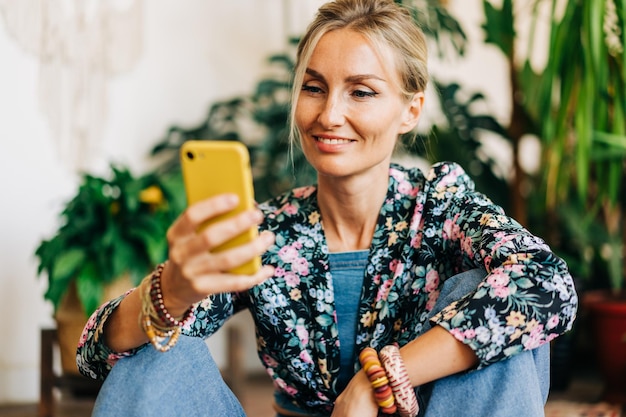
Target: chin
333, 169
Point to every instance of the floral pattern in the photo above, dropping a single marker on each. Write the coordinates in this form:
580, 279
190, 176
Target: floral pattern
429, 229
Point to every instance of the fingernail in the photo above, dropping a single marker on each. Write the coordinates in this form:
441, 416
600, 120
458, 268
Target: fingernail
232, 198
268, 237
257, 216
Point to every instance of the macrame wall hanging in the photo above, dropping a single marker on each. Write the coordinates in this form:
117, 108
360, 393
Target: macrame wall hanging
80, 45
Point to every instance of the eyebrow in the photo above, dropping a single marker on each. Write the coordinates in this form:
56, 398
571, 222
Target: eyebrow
352, 78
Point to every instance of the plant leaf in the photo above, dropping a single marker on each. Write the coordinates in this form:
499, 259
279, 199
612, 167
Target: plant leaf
63, 270
90, 288
498, 26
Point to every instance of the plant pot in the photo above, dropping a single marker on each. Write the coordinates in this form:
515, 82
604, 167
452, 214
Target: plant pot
608, 326
70, 319
561, 357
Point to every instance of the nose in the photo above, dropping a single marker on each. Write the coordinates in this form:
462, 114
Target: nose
332, 113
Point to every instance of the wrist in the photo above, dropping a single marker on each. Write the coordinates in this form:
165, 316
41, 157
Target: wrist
175, 306
389, 380
164, 314
160, 326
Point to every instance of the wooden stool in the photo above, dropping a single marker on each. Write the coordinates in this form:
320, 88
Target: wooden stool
76, 384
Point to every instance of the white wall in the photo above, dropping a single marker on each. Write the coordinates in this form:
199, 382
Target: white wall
192, 53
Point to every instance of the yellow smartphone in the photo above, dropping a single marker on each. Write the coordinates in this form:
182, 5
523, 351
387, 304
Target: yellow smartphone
212, 167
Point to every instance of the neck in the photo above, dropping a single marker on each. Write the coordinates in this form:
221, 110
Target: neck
350, 210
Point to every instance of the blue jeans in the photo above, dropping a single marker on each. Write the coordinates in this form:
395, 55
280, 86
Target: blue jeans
516, 387
183, 382
186, 381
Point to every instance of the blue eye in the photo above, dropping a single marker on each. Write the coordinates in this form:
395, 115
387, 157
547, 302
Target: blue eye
311, 89
363, 94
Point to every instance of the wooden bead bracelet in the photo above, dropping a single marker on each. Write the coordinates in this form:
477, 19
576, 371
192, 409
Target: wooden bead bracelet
161, 328
378, 379
156, 297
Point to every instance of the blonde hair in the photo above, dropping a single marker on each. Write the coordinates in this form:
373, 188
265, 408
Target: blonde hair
383, 22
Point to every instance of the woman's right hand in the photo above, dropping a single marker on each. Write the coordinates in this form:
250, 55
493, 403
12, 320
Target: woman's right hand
194, 271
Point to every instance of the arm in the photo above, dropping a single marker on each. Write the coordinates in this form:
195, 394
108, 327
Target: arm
423, 360
527, 298
423, 356
192, 274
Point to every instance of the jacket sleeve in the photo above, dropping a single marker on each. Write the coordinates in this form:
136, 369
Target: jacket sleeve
95, 359
527, 298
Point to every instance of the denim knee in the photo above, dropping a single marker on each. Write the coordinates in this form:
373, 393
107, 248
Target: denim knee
184, 381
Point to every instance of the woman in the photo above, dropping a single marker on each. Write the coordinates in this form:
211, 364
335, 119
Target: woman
373, 255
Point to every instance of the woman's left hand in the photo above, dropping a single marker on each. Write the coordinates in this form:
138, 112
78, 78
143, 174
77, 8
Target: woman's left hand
357, 400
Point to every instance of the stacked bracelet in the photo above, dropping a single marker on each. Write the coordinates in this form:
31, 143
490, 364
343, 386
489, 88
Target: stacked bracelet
406, 400
156, 297
378, 379
158, 337
160, 327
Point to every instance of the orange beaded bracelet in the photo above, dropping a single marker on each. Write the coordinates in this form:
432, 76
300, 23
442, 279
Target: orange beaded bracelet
378, 379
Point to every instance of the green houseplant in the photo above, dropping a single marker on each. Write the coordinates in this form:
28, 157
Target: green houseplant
585, 140
585, 159
576, 106
112, 231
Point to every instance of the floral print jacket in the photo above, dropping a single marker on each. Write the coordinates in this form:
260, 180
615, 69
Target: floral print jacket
430, 228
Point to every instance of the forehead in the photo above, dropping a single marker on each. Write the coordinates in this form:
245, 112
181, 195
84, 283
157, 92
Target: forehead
345, 50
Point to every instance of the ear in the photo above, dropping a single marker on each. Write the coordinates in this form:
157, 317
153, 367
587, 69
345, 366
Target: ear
412, 112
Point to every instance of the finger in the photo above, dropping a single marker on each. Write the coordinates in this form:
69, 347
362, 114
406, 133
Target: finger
221, 232
223, 283
178, 297
211, 262
244, 282
213, 236
196, 214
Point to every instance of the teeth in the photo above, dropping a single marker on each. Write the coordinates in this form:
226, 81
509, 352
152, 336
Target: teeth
333, 141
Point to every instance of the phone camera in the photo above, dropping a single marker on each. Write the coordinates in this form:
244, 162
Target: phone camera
190, 155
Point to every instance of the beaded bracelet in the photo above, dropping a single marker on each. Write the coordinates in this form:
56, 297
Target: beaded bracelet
161, 328
157, 337
378, 379
156, 296
406, 400
163, 338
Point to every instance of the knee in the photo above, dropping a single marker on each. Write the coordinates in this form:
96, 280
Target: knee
458, 286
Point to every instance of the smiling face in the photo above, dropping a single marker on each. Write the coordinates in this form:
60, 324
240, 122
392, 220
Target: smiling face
350, 109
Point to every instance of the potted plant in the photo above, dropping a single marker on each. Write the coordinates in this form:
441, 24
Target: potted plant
596, 118
112, 233
576, 106
583, 93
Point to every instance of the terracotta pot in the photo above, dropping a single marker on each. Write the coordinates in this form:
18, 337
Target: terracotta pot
70, 319
608, 325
